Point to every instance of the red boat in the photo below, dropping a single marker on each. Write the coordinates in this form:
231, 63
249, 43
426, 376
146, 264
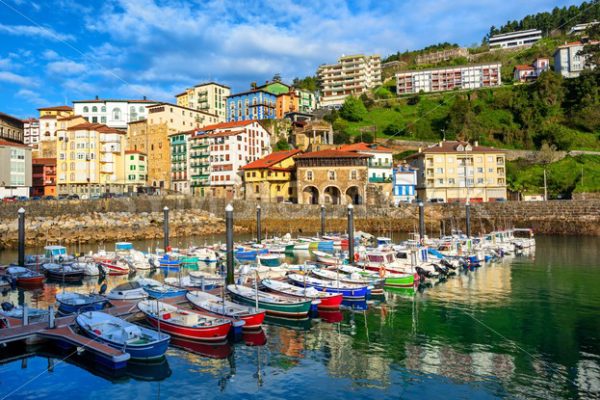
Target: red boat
326, 301
252, 317
114, 267
25, 277
185, 324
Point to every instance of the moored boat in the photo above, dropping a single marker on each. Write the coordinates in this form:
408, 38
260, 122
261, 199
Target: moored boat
25, 277
326, 258
158, 290
63, 273
9, 310
275, 305
127, 291
71, 302
348, 290
330, 301
269, 260
252, 317
185, 324
141, 343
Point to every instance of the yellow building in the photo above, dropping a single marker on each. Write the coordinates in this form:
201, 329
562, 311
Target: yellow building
151, 136
53, 127
312, 135
90, 160
452, 171
58, 111
208, 97
271, 178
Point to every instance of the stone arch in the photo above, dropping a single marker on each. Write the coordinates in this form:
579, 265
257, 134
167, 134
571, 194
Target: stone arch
353, 195
332, 195
310, 195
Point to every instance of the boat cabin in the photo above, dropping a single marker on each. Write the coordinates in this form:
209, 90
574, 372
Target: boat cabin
123, 246
53, 252
380, 257
384, 241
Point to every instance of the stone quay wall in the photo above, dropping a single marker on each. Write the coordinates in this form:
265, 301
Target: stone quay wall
85, 221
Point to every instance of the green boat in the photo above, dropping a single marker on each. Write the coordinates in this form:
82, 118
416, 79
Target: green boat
279, 306
401, 291
190, 262
400, 281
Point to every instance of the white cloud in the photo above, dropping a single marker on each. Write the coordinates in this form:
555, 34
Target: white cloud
33, 97
50, 54
65, 67
34, 31
16, 79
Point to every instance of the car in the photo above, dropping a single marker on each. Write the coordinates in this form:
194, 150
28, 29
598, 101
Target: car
107, 195
73, 197
49, 197
9, 199
94, 196
35, 198
436, 200
22, 198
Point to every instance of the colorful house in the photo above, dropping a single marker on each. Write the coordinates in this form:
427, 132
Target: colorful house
199, 164
404, 184
43, 177
380, 164
271, 178
253, 105
136, 169
179, 161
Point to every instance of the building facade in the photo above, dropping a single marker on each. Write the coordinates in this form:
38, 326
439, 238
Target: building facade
352, 75
271, 178
254, 105
15, 169
312, 135
380, 163
568, 61
11, 128
199, 164
31, 132
151, 136
210, 97
331, 177
437, 80
52, 128
113, 113
91, 160
404, 184
286, 103
515, 39
307, 101
527, 73
136, 167
442, 55
178, 145
455, 171
580, 29
43, 177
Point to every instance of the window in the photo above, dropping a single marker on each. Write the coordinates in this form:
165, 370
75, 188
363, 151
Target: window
480, 170
451, 181
103, 120
331, 175
354, 174
440, 181
480, 180
309, 175
103, 109
94, 109
141, 109
439, 170
256, 189
86, 109
116, 114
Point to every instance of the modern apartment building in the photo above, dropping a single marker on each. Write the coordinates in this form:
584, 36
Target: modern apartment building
451, 78
210, 97
180, 167
199, 163
380, 163
455, 171
580, 29
442, 55
151, 136
113, 113
136, 167
352, 75
11, 128
15, 169
515, 39
43, 181
31, 132
253, 105
568, 61
91, 160
271, 178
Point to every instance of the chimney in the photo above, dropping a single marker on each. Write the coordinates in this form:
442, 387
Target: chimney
144, 97
96, 97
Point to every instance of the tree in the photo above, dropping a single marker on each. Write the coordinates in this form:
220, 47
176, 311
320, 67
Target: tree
353, 109
282, 144
393, 129
341, 138
277, 77
365, 138
309, 83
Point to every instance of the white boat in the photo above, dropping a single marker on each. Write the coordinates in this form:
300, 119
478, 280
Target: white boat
205, 255
11, 311
128, 291
334, 276
89, 268
252, 317
326, 258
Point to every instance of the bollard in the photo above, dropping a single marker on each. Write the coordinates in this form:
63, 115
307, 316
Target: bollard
229, 242
421, 222
25, 315
51, 320
22, 237
166, 228
258, 230
322, 220
350, 234
468, 217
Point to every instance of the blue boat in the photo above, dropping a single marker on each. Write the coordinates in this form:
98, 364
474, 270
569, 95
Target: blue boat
169, 262
157, 290
325, 245
348, 290
141, 343
248, 254
69, 302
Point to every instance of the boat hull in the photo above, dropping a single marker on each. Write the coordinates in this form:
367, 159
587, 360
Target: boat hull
251, 322
68, 277
69, 308
326, 302
298, 310
207, 334
350, 294
401, 282
156, 294
31, 281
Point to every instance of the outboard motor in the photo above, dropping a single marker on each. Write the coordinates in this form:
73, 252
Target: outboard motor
422, 273
7, 306
103, 288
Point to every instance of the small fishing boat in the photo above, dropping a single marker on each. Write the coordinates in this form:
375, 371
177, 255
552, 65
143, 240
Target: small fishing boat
9, 310
24, 276
185, 324
326, 258
128, 291
334, 276
89, 268
70, 302
400, 280
63, 273
348, 290
5, 281
205, 255
141, 343
157, 290
275, 305
187, 282
114, 266
269, 260
170, 262
252, 317
326, 300
248, 254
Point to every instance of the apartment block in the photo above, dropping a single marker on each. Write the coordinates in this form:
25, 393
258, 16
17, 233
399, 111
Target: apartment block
352, 75
515, 39
455, 171
43, 181
15, 169
256, 104
179, 161
210, 97
568, 61
451, 78
31, 132
114, 113
11, 128
442, 55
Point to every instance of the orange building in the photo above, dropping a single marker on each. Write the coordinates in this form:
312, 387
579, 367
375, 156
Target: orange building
43, 177
286, 102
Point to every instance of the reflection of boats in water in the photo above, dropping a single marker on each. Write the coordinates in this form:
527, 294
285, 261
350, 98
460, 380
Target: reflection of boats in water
211, 350
331, 316
401, 291
149, 371
255, 338
291, 323
355, 305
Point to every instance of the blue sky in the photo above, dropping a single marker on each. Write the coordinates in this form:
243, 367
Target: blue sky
53, 52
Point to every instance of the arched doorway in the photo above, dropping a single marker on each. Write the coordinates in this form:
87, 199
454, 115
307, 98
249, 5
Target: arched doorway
310, 195
332, 195
353, 195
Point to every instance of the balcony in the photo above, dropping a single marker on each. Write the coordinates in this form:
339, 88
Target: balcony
201, 155
380, 179
199, 146
380, 165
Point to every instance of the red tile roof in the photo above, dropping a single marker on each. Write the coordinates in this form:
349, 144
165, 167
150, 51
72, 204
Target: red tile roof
524, 67
272, 159
56, 108
332, 154
225, 125
88, 126
44, 161
373, 148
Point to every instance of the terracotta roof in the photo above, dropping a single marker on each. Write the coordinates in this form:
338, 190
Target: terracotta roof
10, 116
225, 125
56, 108
134, 152
88, 126
115, 100
272, 159
524, 67
163, 103
193, 131
12, 144
225, 133
44, 161
332, 154
373, 148
452, 147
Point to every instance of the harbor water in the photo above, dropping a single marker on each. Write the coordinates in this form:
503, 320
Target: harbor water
525, 327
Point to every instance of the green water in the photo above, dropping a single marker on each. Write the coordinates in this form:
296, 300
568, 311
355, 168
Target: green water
528, 327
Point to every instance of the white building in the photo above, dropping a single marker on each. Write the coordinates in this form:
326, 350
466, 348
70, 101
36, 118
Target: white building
31, 132
15, 169
404, 184
581, 28
441, 79
567, 60
112, 113
352, 75
515, 39
380, 164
